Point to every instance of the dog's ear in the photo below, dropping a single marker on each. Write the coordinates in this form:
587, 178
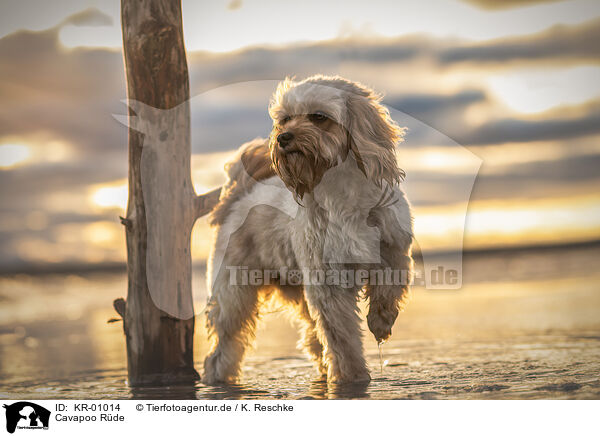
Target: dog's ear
372, 137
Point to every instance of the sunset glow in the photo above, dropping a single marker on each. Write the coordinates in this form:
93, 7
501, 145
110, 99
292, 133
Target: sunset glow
13, 155
110, 196
517, 222
534, 91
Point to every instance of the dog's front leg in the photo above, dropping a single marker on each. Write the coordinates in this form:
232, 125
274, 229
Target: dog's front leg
388, 294
384, 305
387, 299
335, 311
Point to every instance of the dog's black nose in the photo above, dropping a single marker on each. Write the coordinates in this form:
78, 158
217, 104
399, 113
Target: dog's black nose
284, 139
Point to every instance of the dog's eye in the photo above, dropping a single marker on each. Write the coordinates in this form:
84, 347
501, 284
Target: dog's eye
317, 117
285, 119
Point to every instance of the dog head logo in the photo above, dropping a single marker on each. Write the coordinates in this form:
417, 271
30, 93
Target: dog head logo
26, 415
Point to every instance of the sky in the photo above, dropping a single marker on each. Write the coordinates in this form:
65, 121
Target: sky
507, 91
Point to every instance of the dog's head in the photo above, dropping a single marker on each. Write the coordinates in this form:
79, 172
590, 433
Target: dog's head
322, 121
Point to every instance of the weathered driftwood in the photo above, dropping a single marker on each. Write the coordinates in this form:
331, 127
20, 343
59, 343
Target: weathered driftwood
158, 316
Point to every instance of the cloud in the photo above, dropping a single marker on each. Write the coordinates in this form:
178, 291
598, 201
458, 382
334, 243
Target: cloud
544, 179
559, 42
418, 105
524, 130
506, 4
261, 63
29, 185
89, 17
234, 5
562, 178
70, 92
54, 94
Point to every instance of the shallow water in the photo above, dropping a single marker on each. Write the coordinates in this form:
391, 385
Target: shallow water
523, 326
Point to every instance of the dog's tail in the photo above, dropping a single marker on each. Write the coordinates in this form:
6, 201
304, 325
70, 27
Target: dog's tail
251, 164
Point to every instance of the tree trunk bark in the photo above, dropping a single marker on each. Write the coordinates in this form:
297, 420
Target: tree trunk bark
158, 317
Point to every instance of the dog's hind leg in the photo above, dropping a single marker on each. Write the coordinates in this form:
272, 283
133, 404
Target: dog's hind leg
294, 297
335, 311
232, 314
309, 340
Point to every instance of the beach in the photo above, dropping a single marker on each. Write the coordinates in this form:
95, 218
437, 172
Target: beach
525, 325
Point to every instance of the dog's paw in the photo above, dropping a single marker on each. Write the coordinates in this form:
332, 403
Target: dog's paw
322, 369
214, 371
359, 376
380, 320
211, 379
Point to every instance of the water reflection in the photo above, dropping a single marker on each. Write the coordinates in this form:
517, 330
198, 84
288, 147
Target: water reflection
174, 392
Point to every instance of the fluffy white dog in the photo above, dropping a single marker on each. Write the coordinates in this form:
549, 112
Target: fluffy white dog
314, 218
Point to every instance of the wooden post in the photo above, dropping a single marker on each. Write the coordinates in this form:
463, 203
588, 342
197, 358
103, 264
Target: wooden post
158, 317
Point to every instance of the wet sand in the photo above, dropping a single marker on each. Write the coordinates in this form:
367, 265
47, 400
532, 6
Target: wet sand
524, 326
